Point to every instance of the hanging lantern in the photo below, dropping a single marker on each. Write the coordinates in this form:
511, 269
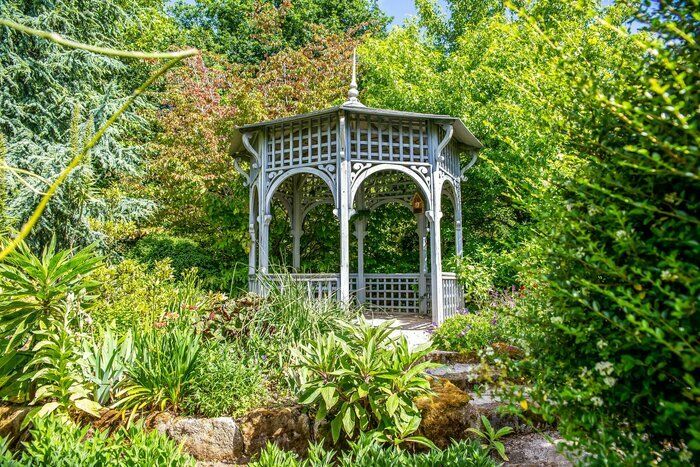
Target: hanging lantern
417, 204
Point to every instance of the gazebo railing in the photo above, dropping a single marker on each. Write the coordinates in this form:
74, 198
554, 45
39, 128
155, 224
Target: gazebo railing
388, 292
394, 292
452, 294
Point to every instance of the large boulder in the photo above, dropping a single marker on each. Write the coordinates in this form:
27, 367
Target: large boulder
447, 414
206, 439
287, 427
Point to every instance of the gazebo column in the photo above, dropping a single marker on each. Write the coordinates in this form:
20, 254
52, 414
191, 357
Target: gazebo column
344, 212
297, 221
436, 261
457, 203
360, 232
422, 261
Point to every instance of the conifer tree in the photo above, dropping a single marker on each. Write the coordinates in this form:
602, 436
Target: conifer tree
51, 99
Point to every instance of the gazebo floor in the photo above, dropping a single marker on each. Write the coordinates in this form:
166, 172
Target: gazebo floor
413, 326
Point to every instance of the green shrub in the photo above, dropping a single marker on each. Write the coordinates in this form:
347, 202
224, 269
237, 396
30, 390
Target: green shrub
182, 253
162, 369
60, 444
132, 295
368, 453
364, 381
468, 332
613, 323
477, 279
225, 382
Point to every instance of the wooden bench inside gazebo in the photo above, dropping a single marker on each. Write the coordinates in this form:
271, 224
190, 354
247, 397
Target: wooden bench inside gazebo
357, 159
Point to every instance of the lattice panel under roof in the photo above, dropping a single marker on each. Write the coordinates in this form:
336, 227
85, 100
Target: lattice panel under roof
302, 142
372, 138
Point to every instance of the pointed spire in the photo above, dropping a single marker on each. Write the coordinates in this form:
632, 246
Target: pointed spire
353, 92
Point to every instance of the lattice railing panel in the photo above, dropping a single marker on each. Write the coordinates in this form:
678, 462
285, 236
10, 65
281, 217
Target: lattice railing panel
375, 139
393, 292
303, 142
319, 286
452, 294
388, 292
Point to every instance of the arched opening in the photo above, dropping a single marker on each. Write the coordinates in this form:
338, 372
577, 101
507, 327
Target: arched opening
448, 200
388, 251
304, 232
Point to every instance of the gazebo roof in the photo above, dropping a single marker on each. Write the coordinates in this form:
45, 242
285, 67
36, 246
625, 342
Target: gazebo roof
461, 133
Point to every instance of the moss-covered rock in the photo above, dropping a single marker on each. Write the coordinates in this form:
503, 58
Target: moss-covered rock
447, 414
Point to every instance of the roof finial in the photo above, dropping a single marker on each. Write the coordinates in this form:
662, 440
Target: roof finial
353, 92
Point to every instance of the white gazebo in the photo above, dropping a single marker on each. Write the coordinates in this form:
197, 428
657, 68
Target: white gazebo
357, 158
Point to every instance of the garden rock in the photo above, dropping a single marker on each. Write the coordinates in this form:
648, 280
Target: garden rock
11, 418
206, 439
447, 414
533, 449
447, 357
462, 375
287, 427
487, 404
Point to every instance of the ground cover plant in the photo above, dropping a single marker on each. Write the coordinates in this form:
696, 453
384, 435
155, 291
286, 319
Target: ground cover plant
368, 452
57, 443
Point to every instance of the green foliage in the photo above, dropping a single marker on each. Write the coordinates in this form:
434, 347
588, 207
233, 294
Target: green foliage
492, 436
162, 369
248, 31
366, 452
104, 362
364, 381
56, 373
612, 322
225, 382
7, 457
289, 312
39, 296
182, 253
469, 332
64, 444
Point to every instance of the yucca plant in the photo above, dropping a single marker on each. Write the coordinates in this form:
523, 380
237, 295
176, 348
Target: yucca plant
104, 362
161, 370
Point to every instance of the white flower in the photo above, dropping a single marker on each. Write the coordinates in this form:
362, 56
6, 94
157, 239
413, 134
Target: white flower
604, 368
597, 401
620, 234
601, 344
557, 320
610, 381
